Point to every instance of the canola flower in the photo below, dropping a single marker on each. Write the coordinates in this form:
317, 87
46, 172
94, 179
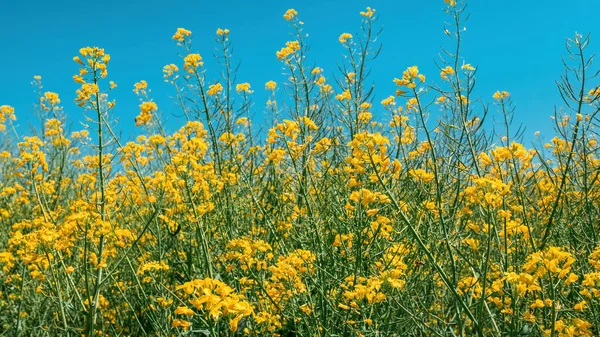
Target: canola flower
344, 217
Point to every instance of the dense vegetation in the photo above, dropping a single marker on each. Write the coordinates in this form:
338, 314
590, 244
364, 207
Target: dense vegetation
329, 223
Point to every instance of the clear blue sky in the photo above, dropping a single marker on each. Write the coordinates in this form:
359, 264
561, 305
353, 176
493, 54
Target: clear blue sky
516, 44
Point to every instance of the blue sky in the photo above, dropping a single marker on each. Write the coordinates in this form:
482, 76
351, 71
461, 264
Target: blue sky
516, 45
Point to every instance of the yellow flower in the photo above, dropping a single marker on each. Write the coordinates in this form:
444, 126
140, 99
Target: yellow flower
164, 302
389, 101
290, 48
183, 310
290, 14
529, 317
501, 95
179, 323
169, 70
140, 86
343, 96
572, 278
76, 59
343, 306
214, 89
408, 78
450, 3
243, 87
51, 97
473, 243
78, 79
191, 62
580, 306
344, 37
306, 309
146, 109
85, 93
222, 32
446, 71
181, 34
270, 85
369, 13
468, 67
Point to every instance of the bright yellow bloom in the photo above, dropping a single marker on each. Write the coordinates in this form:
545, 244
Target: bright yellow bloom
529, 317
446, 72
191, 62
368, 13
181, 34
140, 86
408, 78
76, 59
441, 100
270, 85
214, 89
501, 95
290, 48
468, 67
78, 79
146, 110
85, 93
344, 37
6, 112
183, 310
51, 97
222, 32
580, 306
391, 100
169, 70
243, 87
179, 323
290, 14
343, 96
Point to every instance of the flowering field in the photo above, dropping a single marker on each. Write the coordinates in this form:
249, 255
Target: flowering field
321, 220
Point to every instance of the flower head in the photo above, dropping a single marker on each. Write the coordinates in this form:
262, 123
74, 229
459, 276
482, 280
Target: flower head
446, 72
290, 14
214, 89
6, 112
169, 70
368, 13
468, 67
389, 101
271, 85
146, 110
140, 87
181, 34
222, 32
345, 37
289, 49
52, 98
243, 87
501, 95
191, 62
408, 78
